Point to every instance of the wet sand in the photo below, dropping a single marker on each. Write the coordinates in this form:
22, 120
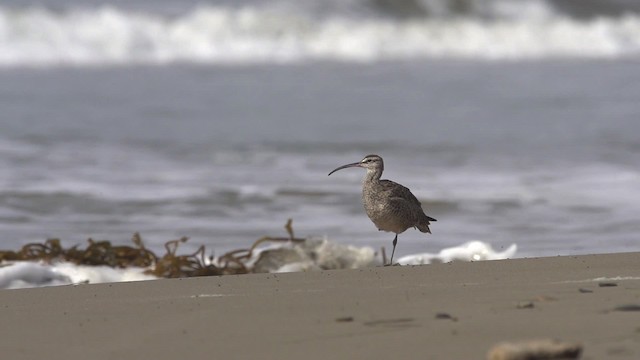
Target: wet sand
441, 311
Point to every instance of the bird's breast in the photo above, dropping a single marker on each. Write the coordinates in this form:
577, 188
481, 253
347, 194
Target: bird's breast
384, 216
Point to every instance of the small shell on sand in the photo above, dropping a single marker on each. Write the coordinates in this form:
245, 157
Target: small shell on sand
546, 349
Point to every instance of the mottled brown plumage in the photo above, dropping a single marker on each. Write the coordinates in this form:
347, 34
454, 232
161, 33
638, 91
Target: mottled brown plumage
391, 206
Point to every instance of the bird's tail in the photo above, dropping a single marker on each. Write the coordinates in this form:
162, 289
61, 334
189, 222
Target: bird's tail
423, 224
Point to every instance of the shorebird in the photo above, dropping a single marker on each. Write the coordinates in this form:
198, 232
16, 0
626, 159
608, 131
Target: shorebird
391, 206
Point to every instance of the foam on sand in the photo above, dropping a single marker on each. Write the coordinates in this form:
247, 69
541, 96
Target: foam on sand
470, 251
309, 255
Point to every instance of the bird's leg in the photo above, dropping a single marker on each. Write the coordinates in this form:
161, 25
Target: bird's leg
395, 241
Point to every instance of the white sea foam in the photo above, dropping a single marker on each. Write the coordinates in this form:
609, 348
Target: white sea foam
470, 251
35, 274
109, 35
27, 274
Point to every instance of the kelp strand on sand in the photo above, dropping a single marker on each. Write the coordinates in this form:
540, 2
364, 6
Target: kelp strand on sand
169, 265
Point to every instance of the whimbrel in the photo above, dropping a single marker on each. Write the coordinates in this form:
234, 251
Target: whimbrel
391, 206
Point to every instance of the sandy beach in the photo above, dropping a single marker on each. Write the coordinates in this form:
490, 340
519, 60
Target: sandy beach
441, 311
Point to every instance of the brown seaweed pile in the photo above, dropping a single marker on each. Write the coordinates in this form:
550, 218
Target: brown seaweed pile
169, 265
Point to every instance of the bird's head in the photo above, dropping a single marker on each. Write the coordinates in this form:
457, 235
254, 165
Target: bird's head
373, 163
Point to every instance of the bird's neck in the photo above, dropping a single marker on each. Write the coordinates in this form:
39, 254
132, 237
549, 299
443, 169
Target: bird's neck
372, 176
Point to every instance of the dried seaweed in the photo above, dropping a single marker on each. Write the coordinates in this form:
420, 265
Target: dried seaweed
169, 265
239, 258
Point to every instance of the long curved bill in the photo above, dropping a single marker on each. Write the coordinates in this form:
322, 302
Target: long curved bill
356, 164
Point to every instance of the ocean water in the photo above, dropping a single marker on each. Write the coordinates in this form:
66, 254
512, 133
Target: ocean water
512, 121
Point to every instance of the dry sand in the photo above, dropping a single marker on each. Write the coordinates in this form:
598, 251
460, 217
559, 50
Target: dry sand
376, 313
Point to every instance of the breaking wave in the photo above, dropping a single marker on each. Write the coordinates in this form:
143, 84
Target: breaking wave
108, 35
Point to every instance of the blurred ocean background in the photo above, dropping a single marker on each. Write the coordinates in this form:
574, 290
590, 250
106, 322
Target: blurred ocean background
513, 121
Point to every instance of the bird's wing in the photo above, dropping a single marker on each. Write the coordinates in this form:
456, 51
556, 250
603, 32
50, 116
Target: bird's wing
395, 190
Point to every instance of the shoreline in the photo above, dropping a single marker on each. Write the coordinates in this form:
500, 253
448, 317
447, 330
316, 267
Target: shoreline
440, 311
